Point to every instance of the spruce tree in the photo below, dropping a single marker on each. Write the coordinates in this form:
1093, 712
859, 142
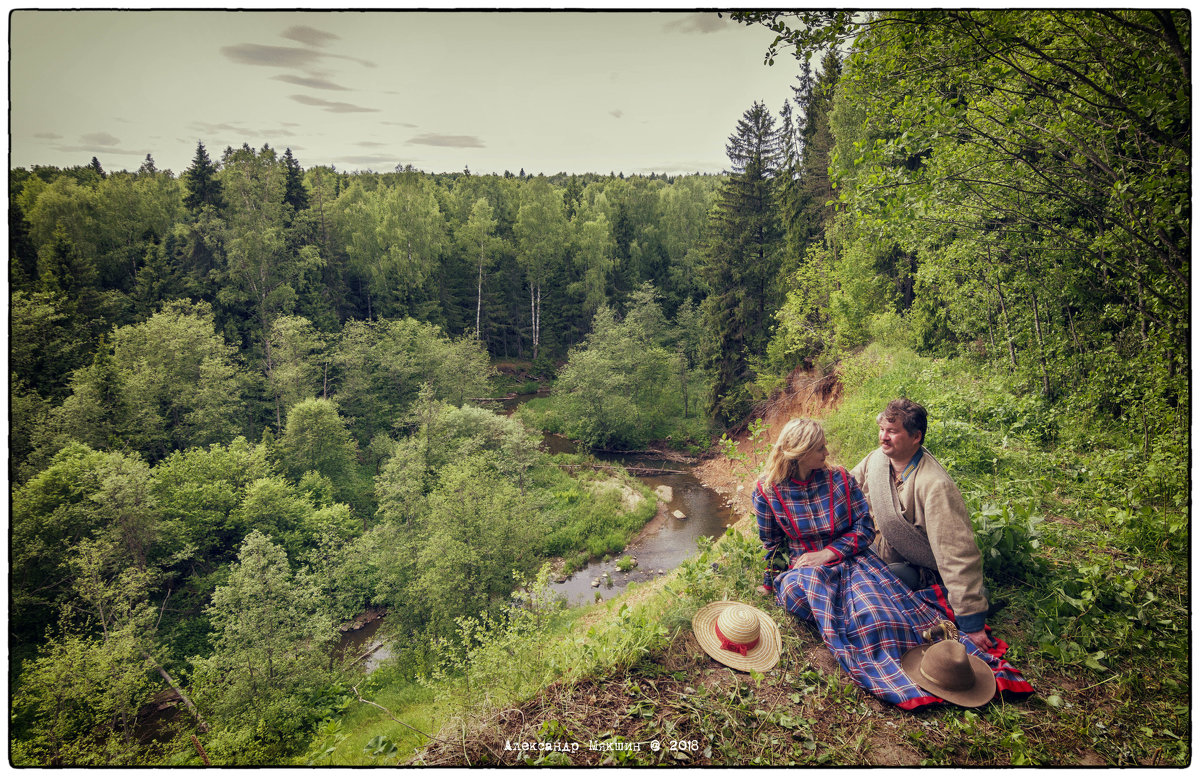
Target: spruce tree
742, 262
807, 213
201, 182
294, 193
64, 269
148, 167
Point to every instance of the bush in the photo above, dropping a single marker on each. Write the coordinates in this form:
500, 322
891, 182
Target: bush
625, 386
1008, 539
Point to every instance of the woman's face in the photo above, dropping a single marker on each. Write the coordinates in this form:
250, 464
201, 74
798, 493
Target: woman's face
814, 459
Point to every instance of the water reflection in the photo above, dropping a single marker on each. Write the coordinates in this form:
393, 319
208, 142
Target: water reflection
363, 648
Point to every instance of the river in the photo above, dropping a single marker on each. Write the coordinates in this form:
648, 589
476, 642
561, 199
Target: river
665, 542
661, 546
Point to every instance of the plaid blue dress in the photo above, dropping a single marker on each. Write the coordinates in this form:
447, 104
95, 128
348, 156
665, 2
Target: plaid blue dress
865, 615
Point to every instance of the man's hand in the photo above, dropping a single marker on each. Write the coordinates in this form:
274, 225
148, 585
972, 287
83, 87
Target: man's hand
816, 558
981, 639
762, 589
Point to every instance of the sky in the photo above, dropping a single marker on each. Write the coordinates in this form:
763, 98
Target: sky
631, 92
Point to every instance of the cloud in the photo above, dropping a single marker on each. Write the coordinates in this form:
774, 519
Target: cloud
452, 141
330, 105
281, 56
369, 159
97, 150
48, 135
204, 126
270, 56
370, 144
309, 36
99, 139
399, 124
314, 83
702, 23
616, 113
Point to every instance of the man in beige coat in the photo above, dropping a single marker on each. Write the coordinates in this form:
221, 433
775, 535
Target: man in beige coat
924, 531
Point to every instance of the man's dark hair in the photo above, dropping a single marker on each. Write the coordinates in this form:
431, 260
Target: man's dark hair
910, 415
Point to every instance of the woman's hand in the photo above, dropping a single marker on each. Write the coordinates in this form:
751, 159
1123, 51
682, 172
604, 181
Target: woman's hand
815, 558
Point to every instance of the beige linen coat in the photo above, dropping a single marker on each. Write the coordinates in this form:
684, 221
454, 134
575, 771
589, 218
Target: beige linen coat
930, 501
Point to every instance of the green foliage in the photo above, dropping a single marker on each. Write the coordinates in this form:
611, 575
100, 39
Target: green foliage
270, 657
382, 365
157, 319
199, 492
1101, 609
265, 264
200, 181
617, 388
1008, 540
751, 461
45, 345
295, 365
78, 702
170, 383
803, 326
597, 516
394, 236
82, 495
316, 440
476, 531
1023, 224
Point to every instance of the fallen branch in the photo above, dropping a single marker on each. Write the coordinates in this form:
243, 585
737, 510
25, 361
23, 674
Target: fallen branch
394, 718
365, 655
634, 470
187, 702
200, 750
670, 455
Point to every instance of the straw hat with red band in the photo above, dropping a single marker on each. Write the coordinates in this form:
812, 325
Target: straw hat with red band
738, 635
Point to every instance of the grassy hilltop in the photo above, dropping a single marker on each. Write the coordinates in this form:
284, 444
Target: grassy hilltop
1089, 551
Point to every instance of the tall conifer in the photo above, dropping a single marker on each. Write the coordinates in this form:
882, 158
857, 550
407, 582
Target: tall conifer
294, 193
742, 262
201, 182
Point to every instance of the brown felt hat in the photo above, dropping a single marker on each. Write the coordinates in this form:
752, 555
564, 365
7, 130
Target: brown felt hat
738, 635
947, 670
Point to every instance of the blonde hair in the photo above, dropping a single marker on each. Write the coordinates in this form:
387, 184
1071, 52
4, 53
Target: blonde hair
798, 438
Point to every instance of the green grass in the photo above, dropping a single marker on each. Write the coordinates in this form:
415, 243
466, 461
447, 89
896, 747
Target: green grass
343, 742
1093, 565
585, 515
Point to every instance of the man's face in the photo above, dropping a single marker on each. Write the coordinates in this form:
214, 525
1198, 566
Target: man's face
896, 442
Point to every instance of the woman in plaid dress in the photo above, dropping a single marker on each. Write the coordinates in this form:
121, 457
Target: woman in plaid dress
817, 519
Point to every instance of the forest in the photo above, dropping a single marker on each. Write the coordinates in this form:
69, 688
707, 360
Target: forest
250, 400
